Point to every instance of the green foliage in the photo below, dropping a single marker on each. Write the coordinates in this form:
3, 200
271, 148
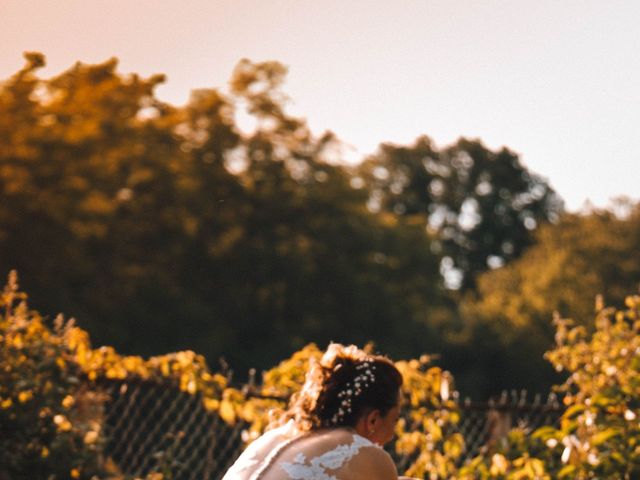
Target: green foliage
48, 428
599, 432
482, 206
173, 220
426, 432
136, 216
51, 404
600, 429
50, 412
573, 261
260, 407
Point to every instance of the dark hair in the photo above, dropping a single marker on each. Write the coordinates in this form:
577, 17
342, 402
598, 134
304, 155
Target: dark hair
343, 385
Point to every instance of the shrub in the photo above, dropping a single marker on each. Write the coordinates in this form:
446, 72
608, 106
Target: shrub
599, 432
50, 405
50, 401
48, 429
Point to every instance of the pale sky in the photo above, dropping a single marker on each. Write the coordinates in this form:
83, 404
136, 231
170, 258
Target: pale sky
557, 81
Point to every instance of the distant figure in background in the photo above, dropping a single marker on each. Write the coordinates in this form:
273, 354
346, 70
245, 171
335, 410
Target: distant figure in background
335, 427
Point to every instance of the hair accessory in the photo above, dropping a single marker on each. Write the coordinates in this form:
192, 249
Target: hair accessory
353, 389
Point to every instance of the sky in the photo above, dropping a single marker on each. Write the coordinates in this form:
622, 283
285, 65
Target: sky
558, 82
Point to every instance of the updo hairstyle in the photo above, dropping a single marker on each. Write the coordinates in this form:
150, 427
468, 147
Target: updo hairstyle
342, 386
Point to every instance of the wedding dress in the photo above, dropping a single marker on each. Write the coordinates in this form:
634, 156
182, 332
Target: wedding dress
280, 454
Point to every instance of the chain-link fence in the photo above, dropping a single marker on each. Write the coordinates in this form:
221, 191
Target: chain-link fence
151, 427
484, 423
155, 427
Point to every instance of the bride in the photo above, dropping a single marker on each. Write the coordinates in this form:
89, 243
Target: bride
335, 427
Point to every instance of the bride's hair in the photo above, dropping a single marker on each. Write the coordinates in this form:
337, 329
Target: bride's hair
343, 385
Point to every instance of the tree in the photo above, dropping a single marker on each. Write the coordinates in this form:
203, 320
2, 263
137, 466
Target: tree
136, 216
482, 205
315, 263
583, 256
98, 192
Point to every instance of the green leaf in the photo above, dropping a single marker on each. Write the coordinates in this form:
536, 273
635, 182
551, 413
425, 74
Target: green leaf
546, 432
567, 472
574, 410
602, 400
601, 437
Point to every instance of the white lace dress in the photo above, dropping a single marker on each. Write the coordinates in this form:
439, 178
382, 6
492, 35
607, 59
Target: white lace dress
281, 455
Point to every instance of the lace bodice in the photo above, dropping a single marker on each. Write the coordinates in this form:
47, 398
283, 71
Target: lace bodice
280, 455
318, 467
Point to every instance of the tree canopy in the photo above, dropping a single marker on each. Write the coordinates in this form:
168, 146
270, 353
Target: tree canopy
481, 205
163, 227
584, 257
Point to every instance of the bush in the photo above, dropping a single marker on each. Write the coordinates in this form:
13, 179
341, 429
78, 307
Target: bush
600, 430
599, 433
50, 402
50, 405
48, 429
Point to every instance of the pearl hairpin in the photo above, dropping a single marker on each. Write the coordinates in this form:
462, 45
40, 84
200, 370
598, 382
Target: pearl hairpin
353, 389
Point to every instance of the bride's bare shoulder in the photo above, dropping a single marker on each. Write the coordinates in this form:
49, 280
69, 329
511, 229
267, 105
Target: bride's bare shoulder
373, 462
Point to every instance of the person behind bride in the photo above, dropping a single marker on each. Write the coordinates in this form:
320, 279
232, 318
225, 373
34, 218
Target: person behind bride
335, 426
